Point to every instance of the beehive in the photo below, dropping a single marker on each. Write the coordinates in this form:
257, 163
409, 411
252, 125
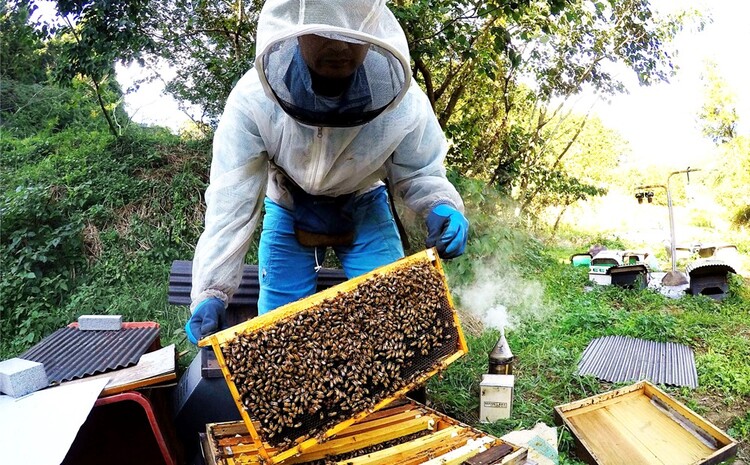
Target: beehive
404, 433
307, 370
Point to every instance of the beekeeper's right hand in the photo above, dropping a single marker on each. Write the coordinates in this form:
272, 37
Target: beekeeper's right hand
207, 318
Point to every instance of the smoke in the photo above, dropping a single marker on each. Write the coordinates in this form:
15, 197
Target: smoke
496, 317
501, 297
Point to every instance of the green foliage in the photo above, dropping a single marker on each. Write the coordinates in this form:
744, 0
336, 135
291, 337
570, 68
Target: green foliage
95, 34
552, 187
22, 51
730, 173
31, 112
717, 370
470, 57
729, 167
82, 44
50, 154
718, 114
210, 45
41, 248
610, 242
90, 223
494, 236
740, 429
741, 217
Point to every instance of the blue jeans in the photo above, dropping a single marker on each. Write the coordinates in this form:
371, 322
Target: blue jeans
287, 269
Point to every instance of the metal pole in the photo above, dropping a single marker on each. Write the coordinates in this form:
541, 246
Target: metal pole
674, 277
671, 229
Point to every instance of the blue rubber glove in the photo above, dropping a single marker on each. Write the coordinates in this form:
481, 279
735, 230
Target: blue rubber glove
206, 319
447, 230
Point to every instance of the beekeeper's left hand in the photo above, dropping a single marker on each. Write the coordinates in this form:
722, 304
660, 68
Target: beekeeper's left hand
447, 231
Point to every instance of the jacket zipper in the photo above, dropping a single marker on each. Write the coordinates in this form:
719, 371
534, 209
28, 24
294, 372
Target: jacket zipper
318, 151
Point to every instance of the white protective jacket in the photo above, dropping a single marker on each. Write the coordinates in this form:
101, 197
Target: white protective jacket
404, 143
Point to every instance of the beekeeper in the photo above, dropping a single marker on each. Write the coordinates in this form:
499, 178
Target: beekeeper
310, 133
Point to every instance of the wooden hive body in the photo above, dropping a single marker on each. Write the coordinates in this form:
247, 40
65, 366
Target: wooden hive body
404, 433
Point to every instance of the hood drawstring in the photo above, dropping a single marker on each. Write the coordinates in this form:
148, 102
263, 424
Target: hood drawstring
318, 266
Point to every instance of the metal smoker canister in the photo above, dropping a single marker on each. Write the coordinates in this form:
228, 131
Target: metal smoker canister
501, 358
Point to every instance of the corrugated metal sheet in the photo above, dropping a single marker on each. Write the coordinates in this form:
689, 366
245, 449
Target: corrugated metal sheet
709, 266
619, 358
70, 353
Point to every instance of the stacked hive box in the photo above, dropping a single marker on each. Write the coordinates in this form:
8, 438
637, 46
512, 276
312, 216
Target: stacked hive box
307, 370
404, 433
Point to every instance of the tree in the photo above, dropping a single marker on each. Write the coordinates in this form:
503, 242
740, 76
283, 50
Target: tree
499, 75
718, 114
90, 36
23, 55
731, 163
210, 45
586, 159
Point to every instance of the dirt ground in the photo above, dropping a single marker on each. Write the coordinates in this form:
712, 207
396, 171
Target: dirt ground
717, 412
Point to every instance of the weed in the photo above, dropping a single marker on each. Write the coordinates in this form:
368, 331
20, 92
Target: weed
740, 429
90, 223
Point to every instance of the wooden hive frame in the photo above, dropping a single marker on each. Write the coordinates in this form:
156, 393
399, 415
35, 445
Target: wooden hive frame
221, 339
443, 440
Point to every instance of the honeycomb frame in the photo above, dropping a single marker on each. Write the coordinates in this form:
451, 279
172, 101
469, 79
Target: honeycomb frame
223, 341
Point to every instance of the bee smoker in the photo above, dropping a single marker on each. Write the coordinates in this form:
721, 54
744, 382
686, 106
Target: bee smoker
501, 358
496, 388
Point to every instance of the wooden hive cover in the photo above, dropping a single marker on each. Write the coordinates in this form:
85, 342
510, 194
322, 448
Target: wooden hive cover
641, 424
309, 369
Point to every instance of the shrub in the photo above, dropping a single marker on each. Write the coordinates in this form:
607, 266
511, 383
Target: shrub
41, 251
90, 222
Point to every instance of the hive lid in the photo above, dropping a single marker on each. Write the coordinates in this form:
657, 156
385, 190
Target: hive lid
620, 359
309, 369
493, 380
709, 266
642, 424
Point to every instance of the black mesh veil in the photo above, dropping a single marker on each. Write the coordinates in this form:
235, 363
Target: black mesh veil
364, 94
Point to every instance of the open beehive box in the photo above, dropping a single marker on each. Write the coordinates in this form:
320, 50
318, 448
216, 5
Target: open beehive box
642, 424
305, 371
405, 433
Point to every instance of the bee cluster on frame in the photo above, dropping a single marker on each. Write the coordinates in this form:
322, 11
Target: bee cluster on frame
304, 374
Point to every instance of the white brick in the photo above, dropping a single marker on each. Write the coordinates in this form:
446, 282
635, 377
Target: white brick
100, 322
19, 377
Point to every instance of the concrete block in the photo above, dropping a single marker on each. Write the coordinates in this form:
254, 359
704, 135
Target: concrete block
19, 377
100, 322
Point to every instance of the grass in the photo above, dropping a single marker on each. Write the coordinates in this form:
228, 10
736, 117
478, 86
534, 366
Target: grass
548, 348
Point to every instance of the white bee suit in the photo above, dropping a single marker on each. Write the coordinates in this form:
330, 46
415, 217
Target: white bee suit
256, 140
